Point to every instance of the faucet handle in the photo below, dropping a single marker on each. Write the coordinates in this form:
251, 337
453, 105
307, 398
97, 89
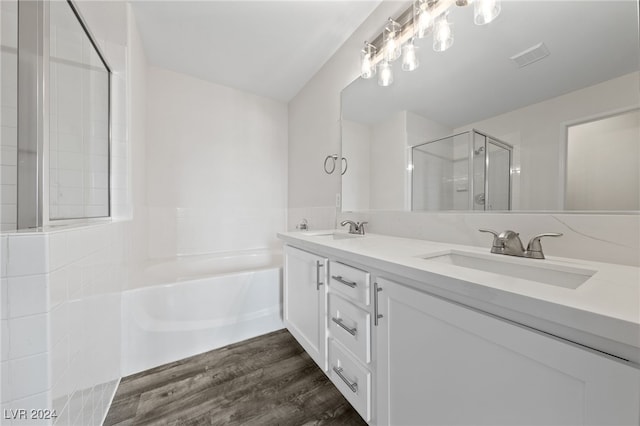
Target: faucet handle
489, 231
497, 246
534, 248
360, 227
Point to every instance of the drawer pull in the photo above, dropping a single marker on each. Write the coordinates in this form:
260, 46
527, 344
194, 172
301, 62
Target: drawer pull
343, 281
352, 331
318, 266
352, 386
376, 314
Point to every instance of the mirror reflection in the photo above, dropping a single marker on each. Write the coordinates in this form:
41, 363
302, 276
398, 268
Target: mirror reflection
538, 110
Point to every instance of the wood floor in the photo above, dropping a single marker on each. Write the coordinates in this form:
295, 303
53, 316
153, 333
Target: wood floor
268, 380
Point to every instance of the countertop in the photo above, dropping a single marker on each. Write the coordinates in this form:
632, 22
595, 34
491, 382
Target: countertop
603, 313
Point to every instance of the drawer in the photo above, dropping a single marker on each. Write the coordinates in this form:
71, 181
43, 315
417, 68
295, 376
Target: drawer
351, 326
349, 281
351, 378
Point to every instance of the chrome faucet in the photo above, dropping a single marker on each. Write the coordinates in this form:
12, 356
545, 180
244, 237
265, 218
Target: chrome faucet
509, 243
354, 227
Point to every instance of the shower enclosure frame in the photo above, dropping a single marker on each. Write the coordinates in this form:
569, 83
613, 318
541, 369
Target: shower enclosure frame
33, 116
470, 153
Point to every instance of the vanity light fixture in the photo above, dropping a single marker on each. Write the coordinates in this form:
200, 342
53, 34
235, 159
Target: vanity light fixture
423, 18
485, 11
368, 67
385, 74
442, 34
409, 57
392, 44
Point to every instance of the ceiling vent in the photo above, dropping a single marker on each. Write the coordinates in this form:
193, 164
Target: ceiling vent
531, 55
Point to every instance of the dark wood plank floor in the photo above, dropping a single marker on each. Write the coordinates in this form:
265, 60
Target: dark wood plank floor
267, 380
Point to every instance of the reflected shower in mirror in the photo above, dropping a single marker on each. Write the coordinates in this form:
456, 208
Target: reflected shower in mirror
468, 171
531, 80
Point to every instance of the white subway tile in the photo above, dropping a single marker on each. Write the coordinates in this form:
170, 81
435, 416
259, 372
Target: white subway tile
9, 194
70, 178
58, 250
28, 255
71, 143
5, 342
29, 295
9, 136
4, 305
9, 175
9, 213
59, 323
4, 254
9, 116
40, 401
8, 155
28, 336
62, 418
6, 381
58, 287
60, 377
70, 196
29, 376
74, 407
7, 227
74, 283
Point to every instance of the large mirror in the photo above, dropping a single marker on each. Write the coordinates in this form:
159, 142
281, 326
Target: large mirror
558, 128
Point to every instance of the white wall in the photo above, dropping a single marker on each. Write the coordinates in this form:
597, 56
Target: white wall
216, 167
313, 133
356, 148
388, 173
538, 133
603, 164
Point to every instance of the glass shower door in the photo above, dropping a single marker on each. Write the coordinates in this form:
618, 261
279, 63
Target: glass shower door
441, 174
498, 176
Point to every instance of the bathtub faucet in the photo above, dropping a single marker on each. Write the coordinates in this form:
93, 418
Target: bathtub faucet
354, 227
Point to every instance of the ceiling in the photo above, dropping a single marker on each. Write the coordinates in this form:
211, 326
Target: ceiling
589, 42
269, 48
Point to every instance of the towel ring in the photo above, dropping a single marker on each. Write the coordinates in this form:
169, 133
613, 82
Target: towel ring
332, 164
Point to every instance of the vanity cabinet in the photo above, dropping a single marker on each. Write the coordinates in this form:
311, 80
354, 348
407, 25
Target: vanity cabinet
304, 301
442, 363
350, 347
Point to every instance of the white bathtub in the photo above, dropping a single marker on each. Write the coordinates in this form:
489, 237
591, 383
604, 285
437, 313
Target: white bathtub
189, 305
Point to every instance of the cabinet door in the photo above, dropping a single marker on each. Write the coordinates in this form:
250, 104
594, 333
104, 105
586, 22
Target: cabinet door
441, 363
305, 301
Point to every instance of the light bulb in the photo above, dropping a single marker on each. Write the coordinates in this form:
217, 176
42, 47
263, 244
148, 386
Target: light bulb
442, 34
485, 11
409, 58
392, 48
367, 67
385, 75
423, 18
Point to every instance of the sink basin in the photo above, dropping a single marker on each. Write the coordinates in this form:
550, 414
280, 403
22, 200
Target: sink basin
331, 235
527, 269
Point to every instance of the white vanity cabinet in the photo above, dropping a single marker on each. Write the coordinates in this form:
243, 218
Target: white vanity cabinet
349, 327
442, 363
305, 297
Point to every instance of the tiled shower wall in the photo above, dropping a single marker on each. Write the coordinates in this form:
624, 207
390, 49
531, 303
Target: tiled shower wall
60, 321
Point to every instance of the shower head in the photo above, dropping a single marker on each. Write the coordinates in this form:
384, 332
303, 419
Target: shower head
478, 151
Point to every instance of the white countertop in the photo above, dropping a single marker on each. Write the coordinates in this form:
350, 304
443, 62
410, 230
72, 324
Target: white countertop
602, 313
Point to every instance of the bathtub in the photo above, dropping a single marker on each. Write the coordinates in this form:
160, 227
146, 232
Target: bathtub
192, 304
